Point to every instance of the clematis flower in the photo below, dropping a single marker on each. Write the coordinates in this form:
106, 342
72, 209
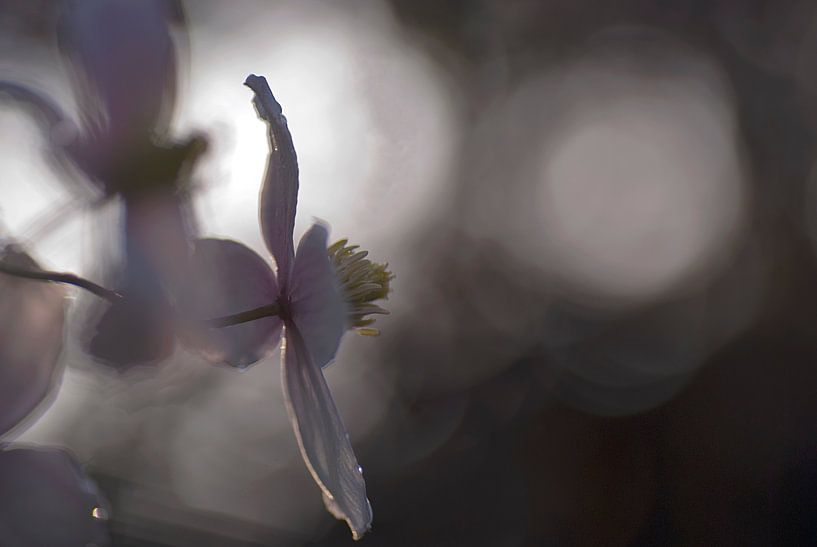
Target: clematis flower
122, 56
317, 294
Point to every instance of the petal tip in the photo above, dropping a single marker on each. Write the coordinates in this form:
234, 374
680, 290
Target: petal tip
359, 525
319, 227
264, 100
255, 82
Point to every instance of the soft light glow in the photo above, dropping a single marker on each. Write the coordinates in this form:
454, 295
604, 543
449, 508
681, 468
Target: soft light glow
371, 119
637, 183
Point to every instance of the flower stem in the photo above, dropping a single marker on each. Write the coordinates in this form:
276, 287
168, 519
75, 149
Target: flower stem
61, 277
270, 310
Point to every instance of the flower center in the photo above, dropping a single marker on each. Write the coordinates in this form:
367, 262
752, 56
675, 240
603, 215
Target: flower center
362, 282
284, 308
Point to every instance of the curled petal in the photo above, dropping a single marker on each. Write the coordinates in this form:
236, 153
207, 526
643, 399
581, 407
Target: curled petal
59, 131
228, 278
318, 307
321, 436
47, 501
124, 59
32, 316
40, 106
279, 192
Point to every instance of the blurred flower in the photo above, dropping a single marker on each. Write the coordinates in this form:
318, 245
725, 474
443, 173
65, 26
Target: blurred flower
45, 498
47, 501
32, 316
124, 63
122, 57
124, 70
313, 299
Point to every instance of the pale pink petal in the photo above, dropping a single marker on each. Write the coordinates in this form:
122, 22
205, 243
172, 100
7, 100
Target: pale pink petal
228, 278
317, 305
125, 64
32, 317
47, 501
321, 436
279, 192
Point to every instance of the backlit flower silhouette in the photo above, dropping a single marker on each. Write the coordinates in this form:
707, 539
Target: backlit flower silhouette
317, 294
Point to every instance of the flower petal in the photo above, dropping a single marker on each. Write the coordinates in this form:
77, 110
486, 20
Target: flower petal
279, 192
157, 229
228, 278
125, 61
47, 501
138, 329
141, 328
32, 316
39, 105
321, 436
317, 304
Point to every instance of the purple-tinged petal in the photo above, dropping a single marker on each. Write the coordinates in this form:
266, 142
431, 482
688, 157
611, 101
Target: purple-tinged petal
125, 62
228, 278
157, 231
32, 316
139, 329
317, 304
279, 192
321, 436
47, 501
47, 112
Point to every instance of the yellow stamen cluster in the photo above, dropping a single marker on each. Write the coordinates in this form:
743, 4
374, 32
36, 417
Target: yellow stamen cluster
362, 282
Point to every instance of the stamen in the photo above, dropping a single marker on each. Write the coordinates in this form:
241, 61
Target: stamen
363, 282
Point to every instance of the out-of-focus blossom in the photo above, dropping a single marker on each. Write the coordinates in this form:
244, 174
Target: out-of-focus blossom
122, 58
313, 299
47, 501
125, 67
32, 315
